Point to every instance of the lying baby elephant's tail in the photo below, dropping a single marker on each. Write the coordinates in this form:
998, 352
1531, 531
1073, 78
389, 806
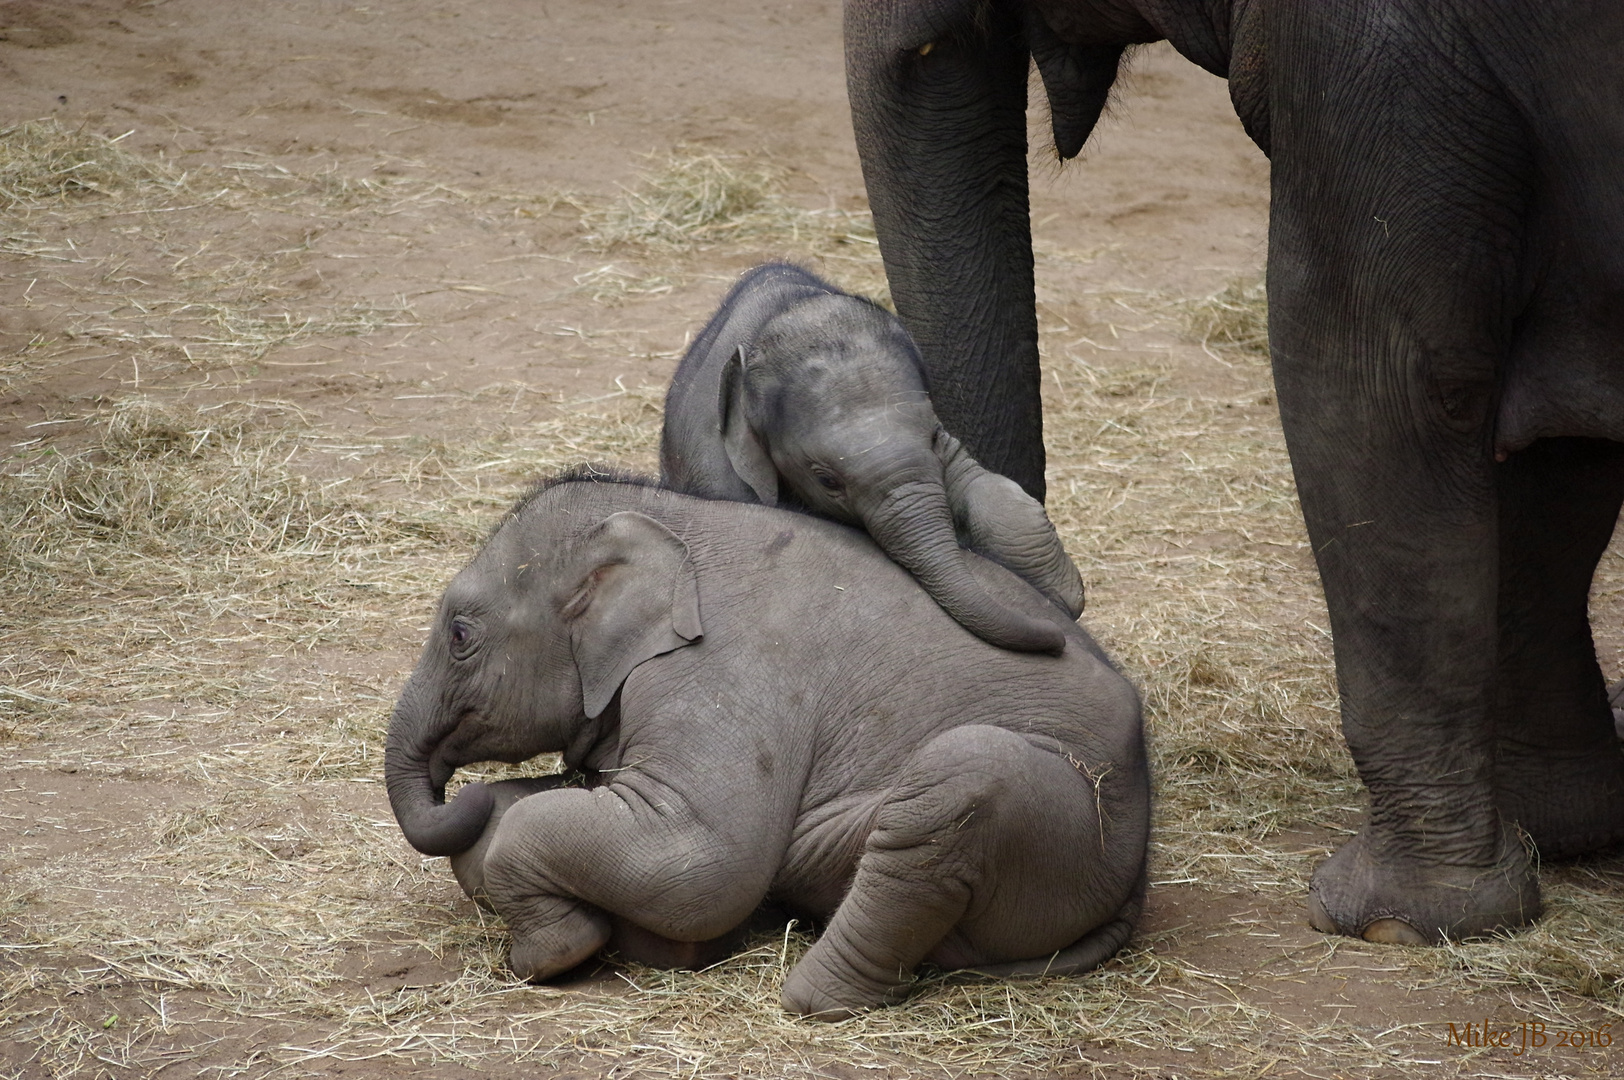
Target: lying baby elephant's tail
1087, 952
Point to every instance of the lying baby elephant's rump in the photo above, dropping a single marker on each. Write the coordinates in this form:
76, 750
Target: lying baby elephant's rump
770, 708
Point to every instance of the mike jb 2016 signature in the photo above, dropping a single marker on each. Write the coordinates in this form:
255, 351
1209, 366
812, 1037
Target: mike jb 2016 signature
1526, 1036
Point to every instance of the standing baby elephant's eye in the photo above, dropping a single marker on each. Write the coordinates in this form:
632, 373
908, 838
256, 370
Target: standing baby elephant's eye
461, 635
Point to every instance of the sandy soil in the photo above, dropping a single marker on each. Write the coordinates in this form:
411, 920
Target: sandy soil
475, 309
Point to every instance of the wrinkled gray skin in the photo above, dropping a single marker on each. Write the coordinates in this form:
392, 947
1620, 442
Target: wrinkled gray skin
766, 708
1446, 317
800, 395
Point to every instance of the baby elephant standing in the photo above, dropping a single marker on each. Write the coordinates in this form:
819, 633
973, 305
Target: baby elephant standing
767, 708
798, 394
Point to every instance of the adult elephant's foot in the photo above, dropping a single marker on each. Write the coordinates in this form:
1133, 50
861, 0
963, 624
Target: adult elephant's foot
1414, 903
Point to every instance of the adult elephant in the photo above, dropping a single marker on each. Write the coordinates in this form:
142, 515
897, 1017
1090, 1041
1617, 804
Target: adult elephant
1446, 288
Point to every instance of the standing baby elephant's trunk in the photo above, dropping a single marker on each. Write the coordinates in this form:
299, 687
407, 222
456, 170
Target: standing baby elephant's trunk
913, 523
416, 779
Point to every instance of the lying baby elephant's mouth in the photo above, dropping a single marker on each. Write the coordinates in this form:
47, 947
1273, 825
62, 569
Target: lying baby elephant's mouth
453, 752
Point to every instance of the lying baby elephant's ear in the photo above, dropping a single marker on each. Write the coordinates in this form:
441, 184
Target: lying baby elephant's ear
636, 597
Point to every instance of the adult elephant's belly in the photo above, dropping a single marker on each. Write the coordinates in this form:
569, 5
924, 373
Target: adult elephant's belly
1565, 375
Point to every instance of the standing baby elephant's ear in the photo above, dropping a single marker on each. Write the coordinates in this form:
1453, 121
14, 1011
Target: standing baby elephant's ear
745, 451
635, 598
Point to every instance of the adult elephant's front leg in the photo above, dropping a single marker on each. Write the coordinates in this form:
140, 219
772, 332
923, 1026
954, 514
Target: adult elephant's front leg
1401, 512
1400, 189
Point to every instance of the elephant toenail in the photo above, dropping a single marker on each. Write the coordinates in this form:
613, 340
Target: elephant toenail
1393, 932
1318, 917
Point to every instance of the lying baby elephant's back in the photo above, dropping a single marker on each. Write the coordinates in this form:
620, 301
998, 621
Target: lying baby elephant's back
811, 613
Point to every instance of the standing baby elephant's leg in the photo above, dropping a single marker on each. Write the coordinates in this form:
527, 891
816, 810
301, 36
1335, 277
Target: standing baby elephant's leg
989, 848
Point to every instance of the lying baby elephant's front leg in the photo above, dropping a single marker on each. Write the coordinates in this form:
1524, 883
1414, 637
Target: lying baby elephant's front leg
565, 932
987, 850
469, 866
630, 941
568, 868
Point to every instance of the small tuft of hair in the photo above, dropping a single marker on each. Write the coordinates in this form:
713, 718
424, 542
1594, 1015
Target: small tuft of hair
583, 472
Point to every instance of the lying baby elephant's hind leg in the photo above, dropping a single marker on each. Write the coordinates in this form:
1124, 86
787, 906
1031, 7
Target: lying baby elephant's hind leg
987, 850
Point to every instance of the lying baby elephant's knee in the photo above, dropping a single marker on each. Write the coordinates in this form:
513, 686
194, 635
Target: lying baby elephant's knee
469, 866
949, 781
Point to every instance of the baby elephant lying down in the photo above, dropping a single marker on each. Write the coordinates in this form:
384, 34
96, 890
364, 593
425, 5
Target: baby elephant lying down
767, 708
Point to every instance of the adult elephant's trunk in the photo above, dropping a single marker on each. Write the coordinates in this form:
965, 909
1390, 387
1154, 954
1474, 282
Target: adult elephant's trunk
416, 777
942, 138
914, 524
938, 98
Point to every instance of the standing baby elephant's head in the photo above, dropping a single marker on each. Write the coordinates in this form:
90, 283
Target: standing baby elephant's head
531, 642
830, 403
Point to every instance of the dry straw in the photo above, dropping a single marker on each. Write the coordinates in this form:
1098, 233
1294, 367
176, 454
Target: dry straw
688, 201
45, 160
1234, 318
202, 613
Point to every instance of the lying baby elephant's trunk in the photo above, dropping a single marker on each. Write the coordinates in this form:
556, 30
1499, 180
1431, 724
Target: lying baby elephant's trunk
417, 795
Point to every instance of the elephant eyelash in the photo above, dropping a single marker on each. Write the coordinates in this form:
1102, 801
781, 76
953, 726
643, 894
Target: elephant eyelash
576, 604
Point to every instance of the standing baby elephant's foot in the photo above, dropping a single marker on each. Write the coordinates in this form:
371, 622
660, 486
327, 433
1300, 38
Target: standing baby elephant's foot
1413, 903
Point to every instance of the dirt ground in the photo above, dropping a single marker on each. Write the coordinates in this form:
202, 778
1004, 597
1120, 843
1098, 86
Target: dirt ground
353, 274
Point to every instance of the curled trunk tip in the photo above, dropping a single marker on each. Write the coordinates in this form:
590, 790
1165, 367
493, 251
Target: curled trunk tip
443, 828
914, 525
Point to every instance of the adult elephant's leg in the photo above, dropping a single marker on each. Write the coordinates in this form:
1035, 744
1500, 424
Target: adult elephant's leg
938, 98
1400, 184
941, 130
1559, 772
1403, 524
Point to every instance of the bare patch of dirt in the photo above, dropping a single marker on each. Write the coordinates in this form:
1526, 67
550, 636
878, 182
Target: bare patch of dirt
347, 278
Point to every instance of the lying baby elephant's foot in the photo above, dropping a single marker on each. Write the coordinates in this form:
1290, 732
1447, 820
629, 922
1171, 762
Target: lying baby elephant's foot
1413, 903
559, 935
638, 945
823, 987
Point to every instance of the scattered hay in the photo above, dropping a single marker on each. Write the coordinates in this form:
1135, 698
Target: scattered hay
684, 198
691, 200
160, 484
44, 160
217, 601
220, 303
1576, 948
611, 285
247, 335
1234, 319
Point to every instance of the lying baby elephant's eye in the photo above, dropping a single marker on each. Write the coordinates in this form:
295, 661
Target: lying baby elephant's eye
829, 481
461, 634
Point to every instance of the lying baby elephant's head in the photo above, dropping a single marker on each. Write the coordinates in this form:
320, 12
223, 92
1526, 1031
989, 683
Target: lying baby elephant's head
532, 640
